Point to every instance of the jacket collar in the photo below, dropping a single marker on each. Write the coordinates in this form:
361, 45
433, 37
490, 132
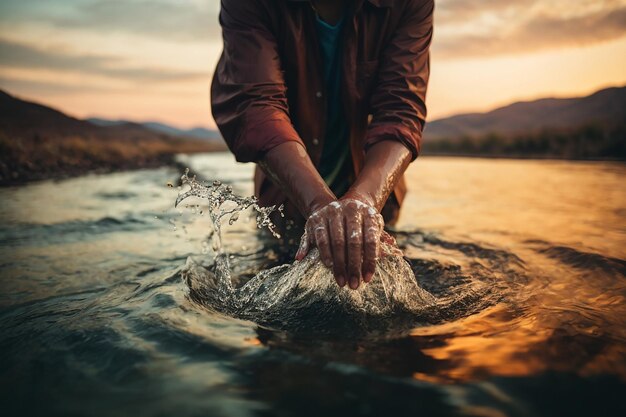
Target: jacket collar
377, 3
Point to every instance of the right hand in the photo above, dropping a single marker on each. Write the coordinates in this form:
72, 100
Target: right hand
348, 234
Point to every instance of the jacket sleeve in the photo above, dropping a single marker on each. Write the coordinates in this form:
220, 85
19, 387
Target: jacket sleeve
398, 100
248, 93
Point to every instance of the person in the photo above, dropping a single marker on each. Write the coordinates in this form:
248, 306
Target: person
327, 97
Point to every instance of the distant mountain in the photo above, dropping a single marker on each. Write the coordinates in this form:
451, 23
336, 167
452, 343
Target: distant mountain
21, 118
39, 142
197, 132
606, 108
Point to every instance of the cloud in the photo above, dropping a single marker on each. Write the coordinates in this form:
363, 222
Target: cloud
18, 55
456, 11
185, 20
541, 32
34, 88
462, 28
506, 29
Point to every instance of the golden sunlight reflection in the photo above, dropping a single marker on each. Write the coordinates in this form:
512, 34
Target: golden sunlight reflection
491, 342
581, 199
501, 341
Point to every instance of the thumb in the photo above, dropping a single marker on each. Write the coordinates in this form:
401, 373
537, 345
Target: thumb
303, 249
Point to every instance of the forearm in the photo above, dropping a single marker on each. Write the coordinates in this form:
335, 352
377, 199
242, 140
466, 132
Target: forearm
385, 162
290, 167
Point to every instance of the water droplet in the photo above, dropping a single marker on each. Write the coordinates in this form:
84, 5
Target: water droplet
234, 218
215, 196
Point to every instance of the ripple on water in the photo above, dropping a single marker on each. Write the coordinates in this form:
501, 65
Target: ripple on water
303, 296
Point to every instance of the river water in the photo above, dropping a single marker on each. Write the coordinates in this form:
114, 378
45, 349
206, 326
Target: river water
517, 292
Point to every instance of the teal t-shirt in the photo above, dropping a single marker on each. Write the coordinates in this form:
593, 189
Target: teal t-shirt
336, 165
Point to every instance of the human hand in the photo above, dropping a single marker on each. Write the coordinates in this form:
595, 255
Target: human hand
348, 234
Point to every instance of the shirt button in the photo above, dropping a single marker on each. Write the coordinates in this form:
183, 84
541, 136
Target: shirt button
318, 94
316, 141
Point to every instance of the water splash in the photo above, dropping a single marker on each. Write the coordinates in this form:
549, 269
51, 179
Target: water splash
223, 202
303, 296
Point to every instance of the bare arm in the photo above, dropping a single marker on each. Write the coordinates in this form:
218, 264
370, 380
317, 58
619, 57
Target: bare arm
289, 166
385, 163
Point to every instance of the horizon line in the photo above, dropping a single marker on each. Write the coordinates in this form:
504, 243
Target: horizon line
215, 129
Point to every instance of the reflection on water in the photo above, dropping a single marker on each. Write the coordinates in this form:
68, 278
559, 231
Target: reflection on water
525, 260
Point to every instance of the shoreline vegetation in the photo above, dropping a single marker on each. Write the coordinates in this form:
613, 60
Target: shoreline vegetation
592, 127
33, 159
38, 142
587, 143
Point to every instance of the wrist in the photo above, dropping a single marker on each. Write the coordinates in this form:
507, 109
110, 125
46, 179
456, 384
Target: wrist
361, 196
289, 166
318, 202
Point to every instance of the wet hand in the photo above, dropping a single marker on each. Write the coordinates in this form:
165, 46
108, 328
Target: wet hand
348, 234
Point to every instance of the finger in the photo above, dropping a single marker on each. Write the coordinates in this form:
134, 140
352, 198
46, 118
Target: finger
354, 232
303, 249
322, 240
308, 238
371, 243
338, 246
388, 239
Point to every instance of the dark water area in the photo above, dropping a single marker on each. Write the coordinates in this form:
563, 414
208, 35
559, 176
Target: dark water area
103, 313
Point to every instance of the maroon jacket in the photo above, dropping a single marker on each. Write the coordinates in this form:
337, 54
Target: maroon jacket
268, 85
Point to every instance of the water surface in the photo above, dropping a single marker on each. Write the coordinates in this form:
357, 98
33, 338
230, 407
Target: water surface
524, 258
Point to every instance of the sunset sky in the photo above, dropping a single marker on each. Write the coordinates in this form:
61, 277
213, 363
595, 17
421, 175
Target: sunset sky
153, 59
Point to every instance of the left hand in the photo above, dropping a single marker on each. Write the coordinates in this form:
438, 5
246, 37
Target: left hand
348, 234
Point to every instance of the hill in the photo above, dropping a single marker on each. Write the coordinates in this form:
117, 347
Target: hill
588, 127
194, 133
38, 142
604, 107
